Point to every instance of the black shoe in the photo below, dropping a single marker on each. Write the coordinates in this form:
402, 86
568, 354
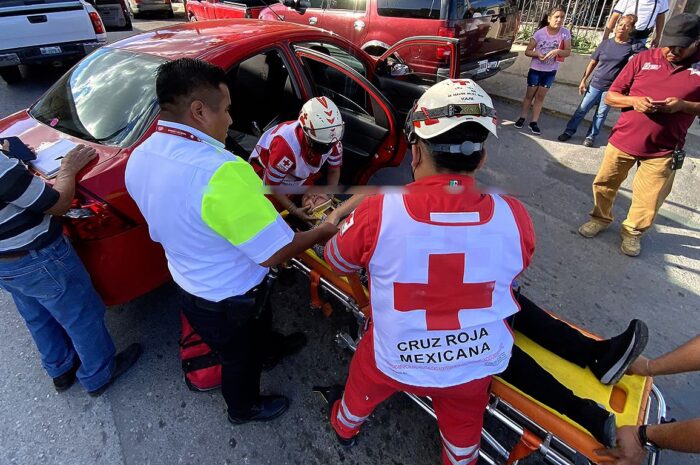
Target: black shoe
588, 142
598, 421
563, 137
617, 353
268, 408
519, 124
66, 380
283, 346
123, 361
332, 394
534, 128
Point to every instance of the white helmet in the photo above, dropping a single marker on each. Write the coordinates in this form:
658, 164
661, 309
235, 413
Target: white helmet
321, 120
446, 105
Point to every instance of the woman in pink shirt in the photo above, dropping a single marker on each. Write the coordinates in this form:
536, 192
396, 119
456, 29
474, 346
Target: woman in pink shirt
549, 45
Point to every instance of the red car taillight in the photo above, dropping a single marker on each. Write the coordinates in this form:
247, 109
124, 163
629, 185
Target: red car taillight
97, 23
444, 31
93, 220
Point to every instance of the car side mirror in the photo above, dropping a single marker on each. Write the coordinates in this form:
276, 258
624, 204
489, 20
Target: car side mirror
400, 69
298, 5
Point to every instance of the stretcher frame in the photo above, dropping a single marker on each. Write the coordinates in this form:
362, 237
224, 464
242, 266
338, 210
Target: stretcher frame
534, 438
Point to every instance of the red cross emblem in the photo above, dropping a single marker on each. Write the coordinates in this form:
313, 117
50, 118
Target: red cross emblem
445, 294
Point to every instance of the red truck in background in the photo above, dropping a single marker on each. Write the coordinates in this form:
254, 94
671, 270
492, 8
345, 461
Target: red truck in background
485, 28
200, 10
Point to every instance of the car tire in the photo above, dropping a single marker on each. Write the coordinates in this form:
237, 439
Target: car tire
11, 74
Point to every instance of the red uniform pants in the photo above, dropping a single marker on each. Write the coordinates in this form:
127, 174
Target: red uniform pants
459, 409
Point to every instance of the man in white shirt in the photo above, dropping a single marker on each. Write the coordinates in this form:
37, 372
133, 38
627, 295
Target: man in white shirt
220, 234
651, 16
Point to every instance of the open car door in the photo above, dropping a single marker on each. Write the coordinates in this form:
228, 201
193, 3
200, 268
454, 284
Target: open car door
412, 65
372, 138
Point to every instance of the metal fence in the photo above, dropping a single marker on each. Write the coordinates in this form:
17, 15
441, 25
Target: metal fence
585, 18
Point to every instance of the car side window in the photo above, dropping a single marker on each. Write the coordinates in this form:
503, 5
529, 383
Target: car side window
316, 3
338, 86
338, 53
350, 5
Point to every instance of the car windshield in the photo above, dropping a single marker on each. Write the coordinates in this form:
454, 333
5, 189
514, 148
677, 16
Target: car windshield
431, 9
109, 97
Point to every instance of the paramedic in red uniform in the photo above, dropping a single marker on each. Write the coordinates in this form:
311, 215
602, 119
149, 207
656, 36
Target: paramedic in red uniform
441, 259
290, 153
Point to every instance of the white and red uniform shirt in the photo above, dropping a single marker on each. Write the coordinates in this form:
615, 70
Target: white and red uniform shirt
283, 153
441, 266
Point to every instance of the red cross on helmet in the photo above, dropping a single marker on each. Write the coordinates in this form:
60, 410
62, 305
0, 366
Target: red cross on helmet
448, 104
321, 120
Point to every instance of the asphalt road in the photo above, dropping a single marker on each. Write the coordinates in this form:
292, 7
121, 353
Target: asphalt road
150, 417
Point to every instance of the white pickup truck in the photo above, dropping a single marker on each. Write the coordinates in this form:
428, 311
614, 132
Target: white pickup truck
46, 32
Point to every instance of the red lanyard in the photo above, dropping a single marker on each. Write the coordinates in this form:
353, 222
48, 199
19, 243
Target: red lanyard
178, 132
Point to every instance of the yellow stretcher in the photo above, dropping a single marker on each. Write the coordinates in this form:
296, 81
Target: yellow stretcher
539, 429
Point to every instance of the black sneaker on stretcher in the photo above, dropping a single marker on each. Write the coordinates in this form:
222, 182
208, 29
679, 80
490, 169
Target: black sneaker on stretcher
618, 353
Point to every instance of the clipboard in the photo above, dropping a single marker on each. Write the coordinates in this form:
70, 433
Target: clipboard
49, 155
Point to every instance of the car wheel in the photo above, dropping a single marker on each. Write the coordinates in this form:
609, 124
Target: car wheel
11, 74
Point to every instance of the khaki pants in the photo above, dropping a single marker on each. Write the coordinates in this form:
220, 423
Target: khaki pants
652, 183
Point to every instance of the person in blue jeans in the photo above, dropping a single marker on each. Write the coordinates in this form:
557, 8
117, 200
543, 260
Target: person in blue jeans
606, 63
48, 282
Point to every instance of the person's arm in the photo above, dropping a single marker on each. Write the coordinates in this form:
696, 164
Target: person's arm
71, 164
683, 359
301, 242
348, 251
681, 436
333, 176
658, 29
618, 95
531, 52
300, 212
345, 208
583, 86
675, 105
610, 26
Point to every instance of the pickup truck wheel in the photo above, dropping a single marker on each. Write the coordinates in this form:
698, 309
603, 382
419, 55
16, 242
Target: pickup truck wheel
11, 74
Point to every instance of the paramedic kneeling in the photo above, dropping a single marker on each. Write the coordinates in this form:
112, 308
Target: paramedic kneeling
441, 257
220, 234
290, 153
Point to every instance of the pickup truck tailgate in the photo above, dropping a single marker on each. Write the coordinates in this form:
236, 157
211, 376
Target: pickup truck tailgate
27, 23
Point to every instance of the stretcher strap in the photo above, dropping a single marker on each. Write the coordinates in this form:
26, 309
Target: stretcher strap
358, 293
527, 444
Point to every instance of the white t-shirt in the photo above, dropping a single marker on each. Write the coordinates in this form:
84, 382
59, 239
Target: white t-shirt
647, 11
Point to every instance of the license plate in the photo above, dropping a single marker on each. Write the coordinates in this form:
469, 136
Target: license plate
483, 67
8, 59
50, 50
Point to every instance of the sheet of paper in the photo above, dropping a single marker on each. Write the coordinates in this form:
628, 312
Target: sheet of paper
48, 156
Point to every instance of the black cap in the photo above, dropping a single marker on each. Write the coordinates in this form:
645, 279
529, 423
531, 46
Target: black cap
681, 31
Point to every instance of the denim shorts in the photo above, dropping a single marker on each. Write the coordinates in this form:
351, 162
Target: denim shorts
540, 78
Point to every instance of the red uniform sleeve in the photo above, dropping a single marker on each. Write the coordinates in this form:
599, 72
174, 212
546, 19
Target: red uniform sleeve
279, 162
335, 160
526, 228
623, 82
351, 248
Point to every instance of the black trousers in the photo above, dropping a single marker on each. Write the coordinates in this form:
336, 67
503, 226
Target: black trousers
239, 329
557, 337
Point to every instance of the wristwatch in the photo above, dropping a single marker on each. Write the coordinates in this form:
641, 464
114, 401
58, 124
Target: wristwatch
644, 440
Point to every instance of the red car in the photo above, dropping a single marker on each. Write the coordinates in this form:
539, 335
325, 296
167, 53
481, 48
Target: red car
485, 28
200, 10
108, 101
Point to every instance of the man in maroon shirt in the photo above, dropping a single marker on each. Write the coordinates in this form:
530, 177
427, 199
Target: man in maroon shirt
659, 94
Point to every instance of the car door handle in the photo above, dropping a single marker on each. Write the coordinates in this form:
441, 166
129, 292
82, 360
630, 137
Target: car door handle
359, 25
313, 20
37, 19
